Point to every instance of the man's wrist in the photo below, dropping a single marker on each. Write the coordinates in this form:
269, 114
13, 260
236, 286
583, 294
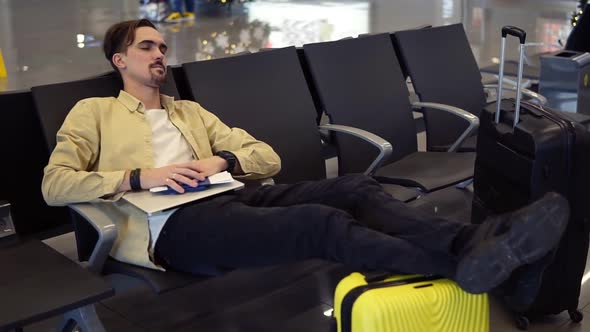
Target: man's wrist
223, 164
229, 158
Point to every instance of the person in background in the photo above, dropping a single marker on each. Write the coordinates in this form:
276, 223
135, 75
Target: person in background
178, 14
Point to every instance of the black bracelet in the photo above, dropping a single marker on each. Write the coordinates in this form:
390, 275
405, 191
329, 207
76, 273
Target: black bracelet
134, 179
230, 158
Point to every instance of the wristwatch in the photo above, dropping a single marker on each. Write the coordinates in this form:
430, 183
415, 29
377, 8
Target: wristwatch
230, 158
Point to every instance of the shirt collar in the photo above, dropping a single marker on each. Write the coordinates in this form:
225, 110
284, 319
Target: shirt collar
133, 104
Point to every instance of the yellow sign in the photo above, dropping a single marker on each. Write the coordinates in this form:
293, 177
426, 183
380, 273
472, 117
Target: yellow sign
2, 66
586, 80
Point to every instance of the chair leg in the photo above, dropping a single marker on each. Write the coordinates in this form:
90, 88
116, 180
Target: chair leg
85, 318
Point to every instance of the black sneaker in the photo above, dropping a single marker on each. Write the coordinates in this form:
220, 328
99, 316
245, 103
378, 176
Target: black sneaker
535, 230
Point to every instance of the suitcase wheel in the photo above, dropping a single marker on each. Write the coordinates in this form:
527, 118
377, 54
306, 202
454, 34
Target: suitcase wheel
522, 323
576, 316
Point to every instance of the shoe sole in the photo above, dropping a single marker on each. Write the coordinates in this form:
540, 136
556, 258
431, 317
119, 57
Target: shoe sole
526, 242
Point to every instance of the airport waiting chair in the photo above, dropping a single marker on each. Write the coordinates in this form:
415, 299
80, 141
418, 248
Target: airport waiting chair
24, 156
171, 301
443, 70
460, 89
274, 102
53, 103
267, 95
360, 84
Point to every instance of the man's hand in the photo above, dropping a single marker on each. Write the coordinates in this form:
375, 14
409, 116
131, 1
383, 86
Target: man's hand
189, 173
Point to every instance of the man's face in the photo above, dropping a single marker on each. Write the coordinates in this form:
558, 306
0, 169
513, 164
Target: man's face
145, 60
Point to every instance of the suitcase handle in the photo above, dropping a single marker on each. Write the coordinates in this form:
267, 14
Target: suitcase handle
521, 35
514, 31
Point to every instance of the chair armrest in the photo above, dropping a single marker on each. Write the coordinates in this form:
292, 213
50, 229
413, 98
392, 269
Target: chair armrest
385, 148
472, 119
541, 100
107, 233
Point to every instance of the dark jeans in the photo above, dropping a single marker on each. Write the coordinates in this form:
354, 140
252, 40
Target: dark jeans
349, 219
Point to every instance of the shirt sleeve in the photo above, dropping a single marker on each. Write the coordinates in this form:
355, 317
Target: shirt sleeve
68, 177
257, 159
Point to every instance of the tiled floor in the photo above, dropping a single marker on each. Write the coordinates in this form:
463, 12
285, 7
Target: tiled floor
52, 41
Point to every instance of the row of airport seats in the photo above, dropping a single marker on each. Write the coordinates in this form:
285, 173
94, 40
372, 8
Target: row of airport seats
166, 301
23, 124
279, 96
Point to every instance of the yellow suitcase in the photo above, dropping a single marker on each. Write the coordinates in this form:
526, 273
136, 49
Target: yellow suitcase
407, 303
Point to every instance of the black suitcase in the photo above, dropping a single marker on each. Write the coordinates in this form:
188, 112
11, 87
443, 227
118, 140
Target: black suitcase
523, 151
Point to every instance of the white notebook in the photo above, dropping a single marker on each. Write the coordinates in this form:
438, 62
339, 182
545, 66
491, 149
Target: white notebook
151, 202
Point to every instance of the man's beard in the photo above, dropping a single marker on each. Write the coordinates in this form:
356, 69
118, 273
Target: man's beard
158, 80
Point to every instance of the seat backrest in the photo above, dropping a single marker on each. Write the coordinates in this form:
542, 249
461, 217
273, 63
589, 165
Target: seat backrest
54, 102
24, 155
360, 84
443, 69
404, 70
264, 93
311, 84
179, 81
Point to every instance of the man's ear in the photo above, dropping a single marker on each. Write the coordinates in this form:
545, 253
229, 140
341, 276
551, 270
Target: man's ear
119, 61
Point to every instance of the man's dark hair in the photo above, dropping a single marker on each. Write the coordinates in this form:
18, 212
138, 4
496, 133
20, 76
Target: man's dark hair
119, 36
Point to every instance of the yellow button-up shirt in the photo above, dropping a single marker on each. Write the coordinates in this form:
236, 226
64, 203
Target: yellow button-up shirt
102, 137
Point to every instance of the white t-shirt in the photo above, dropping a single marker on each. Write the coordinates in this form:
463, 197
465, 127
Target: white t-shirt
170, 147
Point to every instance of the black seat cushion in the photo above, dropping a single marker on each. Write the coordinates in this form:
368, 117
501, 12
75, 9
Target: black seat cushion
447, 169
159, 281
468, 145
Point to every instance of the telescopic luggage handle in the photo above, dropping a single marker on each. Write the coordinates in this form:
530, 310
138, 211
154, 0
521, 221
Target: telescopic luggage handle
521, 35
514, 31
